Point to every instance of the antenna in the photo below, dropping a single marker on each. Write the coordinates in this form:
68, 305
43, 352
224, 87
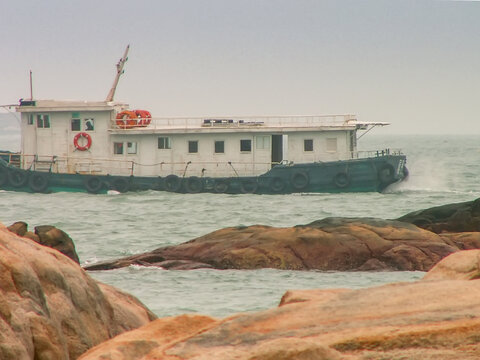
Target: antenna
120, 71
31, 86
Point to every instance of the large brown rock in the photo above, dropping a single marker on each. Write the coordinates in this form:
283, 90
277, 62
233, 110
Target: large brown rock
415, 321
51, 309
329, 244
458, 217
47, 235
463, 265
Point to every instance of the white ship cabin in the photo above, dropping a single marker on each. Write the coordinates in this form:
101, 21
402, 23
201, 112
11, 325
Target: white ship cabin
107, 138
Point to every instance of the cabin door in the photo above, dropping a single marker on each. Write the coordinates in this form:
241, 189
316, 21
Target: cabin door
277, 149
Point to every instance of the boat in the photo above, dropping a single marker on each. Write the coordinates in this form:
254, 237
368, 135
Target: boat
99, 146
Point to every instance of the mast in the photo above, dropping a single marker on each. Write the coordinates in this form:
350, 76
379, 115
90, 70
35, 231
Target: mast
120, 71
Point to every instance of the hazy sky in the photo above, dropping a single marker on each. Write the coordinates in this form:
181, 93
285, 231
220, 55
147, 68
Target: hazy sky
413, 63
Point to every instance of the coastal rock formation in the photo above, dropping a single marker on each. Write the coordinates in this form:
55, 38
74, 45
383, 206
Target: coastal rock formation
458, 217
49, 236
463, 265
331, 244
422, 320
51, 309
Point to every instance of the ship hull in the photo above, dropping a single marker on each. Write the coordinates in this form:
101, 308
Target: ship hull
357, 175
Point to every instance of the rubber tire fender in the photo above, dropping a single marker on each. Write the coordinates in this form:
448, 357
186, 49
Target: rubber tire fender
17, 178
172, 183
194, 184
341, 180
38, 182
300, 180
221, 186
3, 175
93, 184
248, 186
386, 174
277, 184
121, 184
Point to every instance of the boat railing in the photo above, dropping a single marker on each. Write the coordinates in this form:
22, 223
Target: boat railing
362, 154
128, 167
242, 121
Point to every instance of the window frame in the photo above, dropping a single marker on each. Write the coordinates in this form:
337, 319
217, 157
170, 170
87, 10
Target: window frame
79, 124
115, 146
167, 143
193, 143
44, 121
218, 142
329, 142
262, 142
243, 142
135, 148
308, 145
85, 122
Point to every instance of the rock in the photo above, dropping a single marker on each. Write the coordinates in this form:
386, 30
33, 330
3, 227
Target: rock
458, 217
47, 235
342, 244
463, 265
415, 321
463, 240
57, 239
182, 265
154, 337
19, 228
51, 309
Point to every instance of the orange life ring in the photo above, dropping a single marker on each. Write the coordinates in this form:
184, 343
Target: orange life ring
82, 147
144, 117
126, 119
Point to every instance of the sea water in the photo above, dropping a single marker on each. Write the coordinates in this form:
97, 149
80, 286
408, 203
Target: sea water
443, 169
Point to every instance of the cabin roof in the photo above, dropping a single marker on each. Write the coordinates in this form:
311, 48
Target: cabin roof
67, 105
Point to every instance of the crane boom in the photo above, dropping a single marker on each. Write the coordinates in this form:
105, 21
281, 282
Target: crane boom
120, 71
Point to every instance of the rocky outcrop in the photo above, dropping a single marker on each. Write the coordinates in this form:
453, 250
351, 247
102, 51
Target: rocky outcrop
428, 319
331, 244
47, 235
464, 265
458, 217
51, 309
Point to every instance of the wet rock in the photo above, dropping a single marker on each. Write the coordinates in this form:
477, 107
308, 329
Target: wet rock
331, 244
182, 265
57, 239
458, 217
415, 321
51, 309
19, 228
47, 235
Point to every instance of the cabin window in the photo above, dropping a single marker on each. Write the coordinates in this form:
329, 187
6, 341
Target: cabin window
118, 148
164, 142
331, 144
263, 142
308, 145
43, 121
246, 145
219, 147
89, 124
131, 147
75, 124
30, 119
193, 146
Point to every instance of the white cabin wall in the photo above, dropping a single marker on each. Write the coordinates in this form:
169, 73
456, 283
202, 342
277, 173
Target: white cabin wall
297, 154
58, 140
175, 159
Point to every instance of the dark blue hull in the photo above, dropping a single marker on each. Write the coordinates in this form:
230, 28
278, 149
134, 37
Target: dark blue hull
356, 175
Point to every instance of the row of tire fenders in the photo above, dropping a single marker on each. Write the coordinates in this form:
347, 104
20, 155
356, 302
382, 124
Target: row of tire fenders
39, 182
